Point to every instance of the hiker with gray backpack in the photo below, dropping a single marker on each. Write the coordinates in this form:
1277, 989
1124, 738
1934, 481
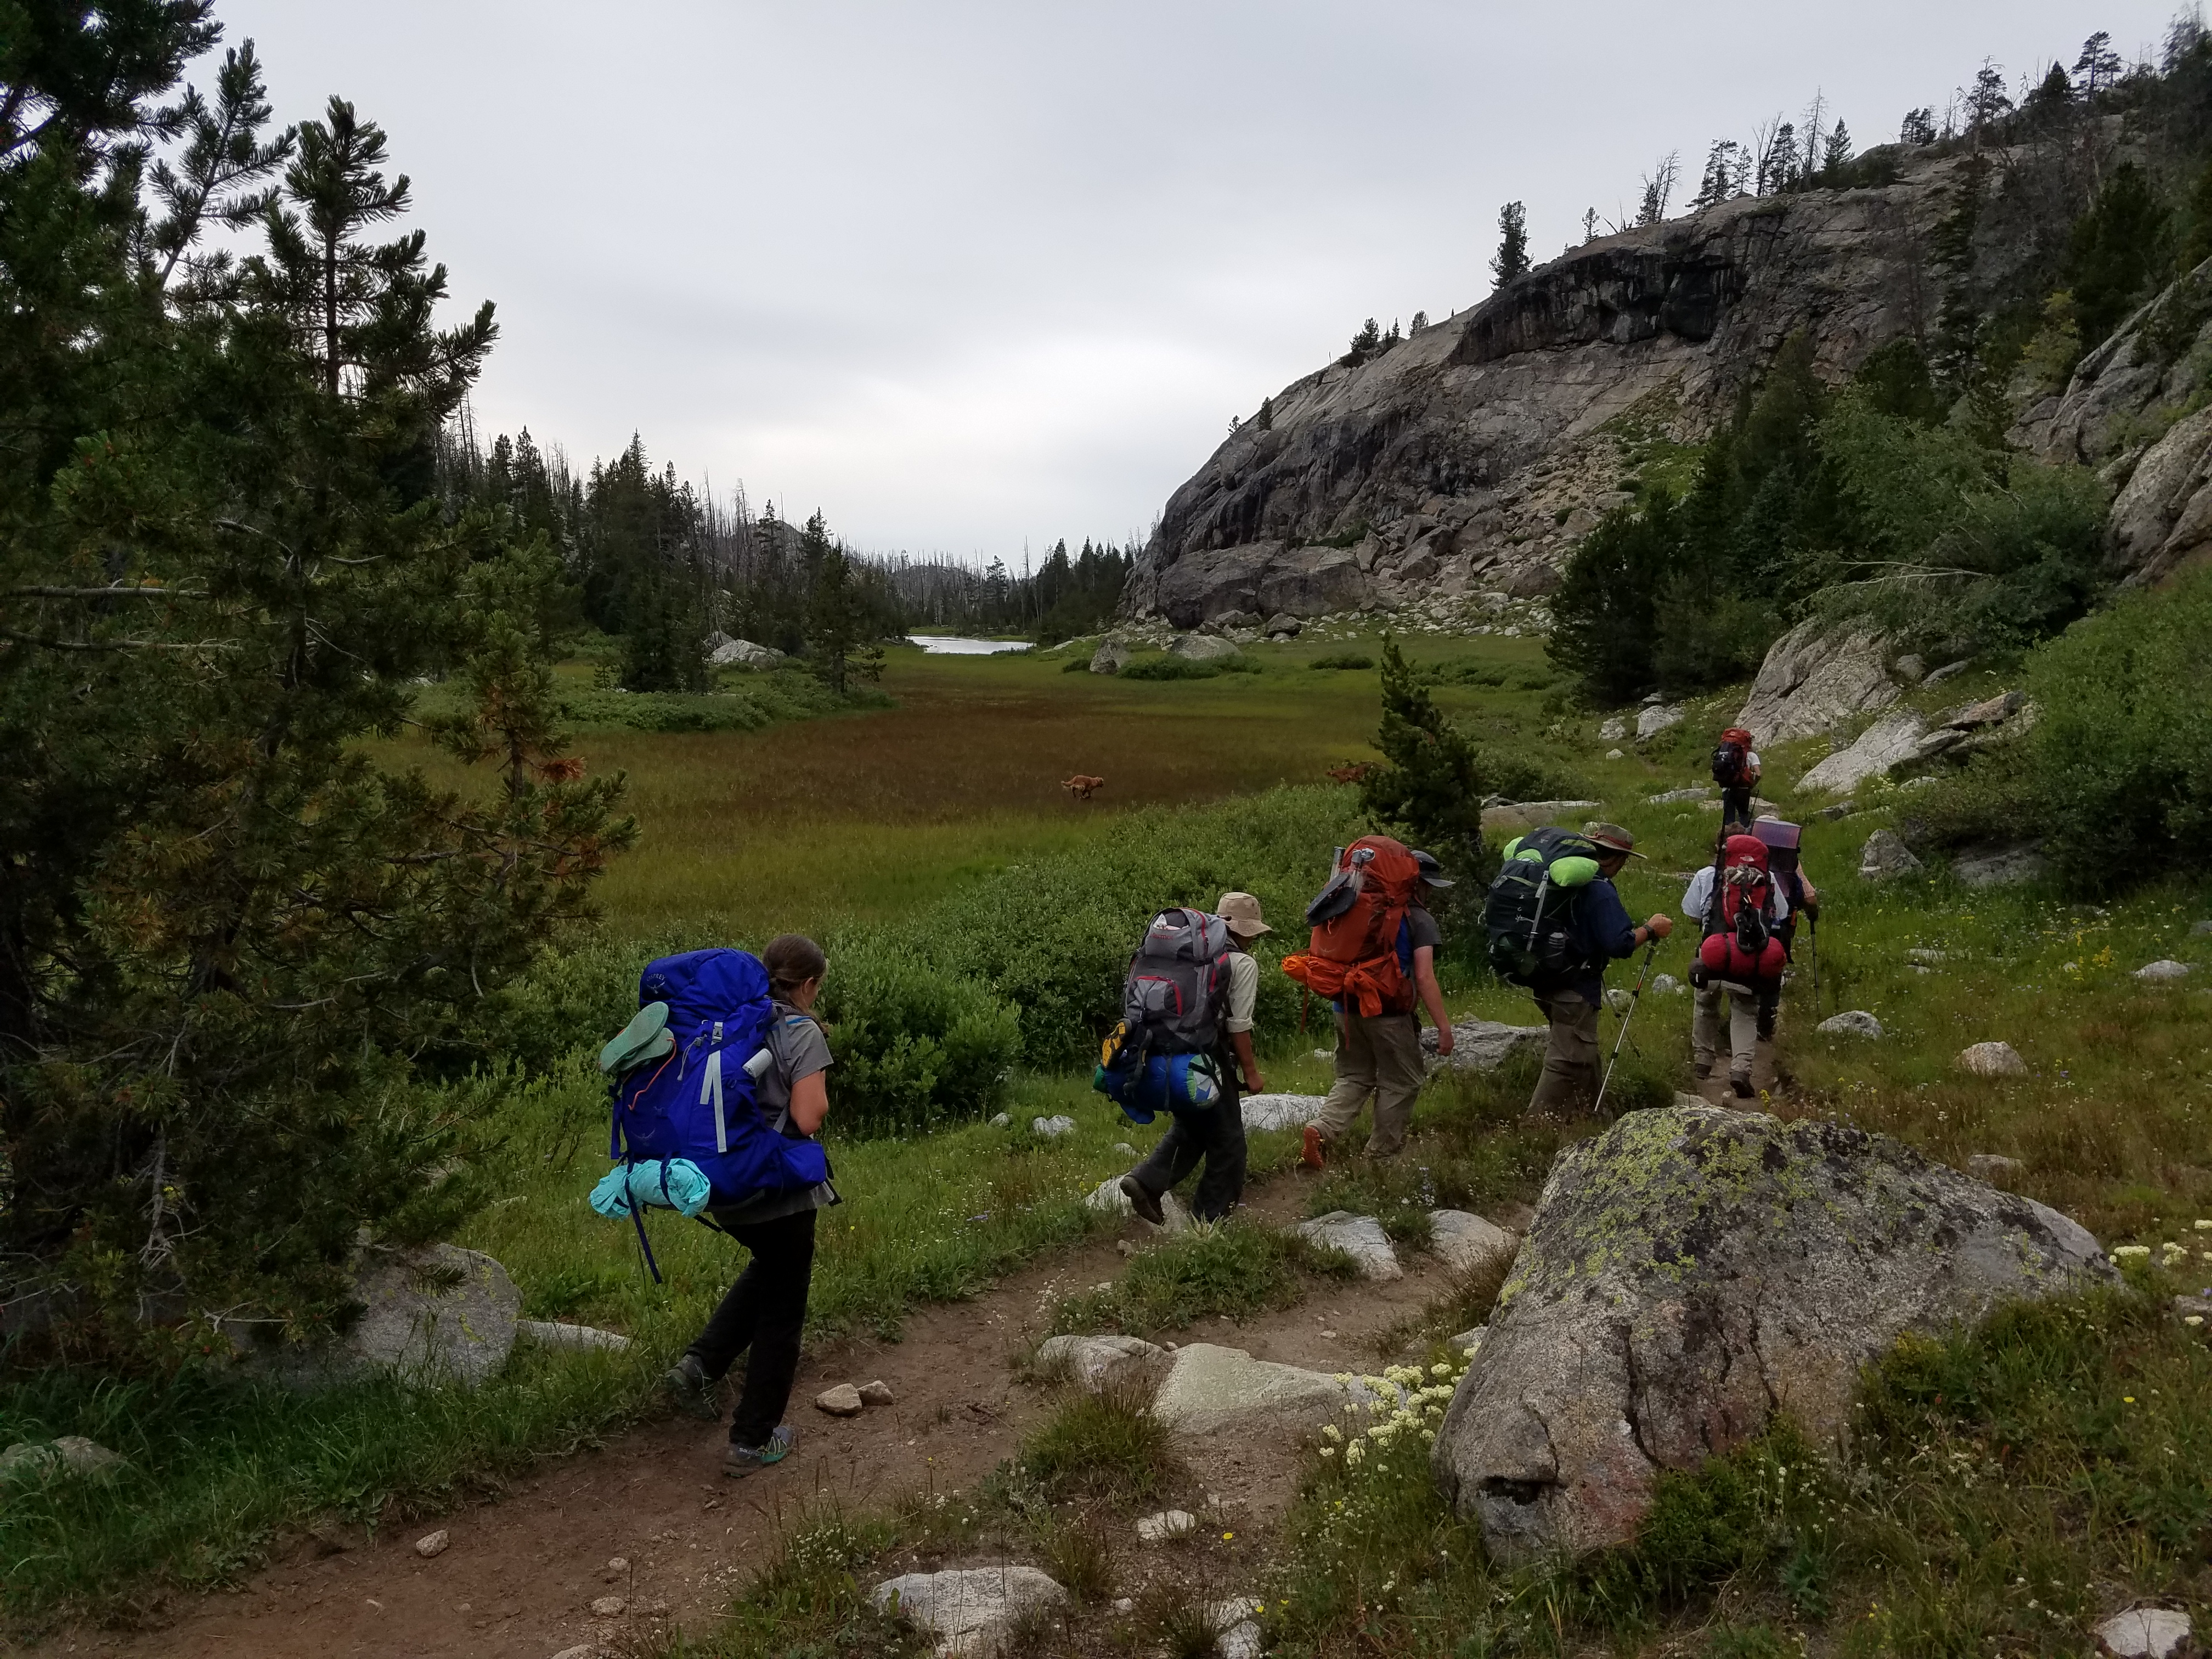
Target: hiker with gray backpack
718, 1095
1183, 1046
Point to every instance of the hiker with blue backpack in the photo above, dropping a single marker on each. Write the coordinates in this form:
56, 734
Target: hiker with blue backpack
719, 1094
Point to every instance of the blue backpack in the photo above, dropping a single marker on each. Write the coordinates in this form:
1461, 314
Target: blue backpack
696, 1100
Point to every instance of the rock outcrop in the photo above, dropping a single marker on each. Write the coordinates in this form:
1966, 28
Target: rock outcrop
1471, 456
2123, 413
1814, 679
971, 1612
1890, 741
440, 1314
1694, 1271
1208, 1388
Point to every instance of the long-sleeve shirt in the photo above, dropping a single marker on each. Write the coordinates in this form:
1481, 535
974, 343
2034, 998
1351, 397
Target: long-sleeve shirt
1601, 931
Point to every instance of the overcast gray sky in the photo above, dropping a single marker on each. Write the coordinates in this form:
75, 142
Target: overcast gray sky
965, 275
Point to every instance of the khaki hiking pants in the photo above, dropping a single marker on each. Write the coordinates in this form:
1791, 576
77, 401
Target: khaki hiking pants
1381, 1057
1570, 1082
1743, 1021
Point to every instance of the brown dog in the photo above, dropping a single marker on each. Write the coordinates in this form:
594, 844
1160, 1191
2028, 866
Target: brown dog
1082, 785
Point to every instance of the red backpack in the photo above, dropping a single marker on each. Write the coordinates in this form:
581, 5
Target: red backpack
1353, 953
1732, 760
1741, 943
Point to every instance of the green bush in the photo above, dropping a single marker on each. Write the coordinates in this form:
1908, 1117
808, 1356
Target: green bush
1076, 665
2117, 771
1052, 936
1352, 661
1180, 668
915, 1047
1528, 774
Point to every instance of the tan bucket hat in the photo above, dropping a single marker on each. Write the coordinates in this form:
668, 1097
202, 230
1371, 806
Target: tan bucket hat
1242, 912
1613, 838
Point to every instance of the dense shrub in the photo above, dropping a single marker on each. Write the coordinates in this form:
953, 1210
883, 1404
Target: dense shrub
915, 1047
2117, 771
1182, 668
764, 699
1351, 661
1053, 936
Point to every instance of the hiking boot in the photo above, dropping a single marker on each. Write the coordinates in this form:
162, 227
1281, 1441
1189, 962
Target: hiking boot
739, 1461
1742, 1084
1143, 1200
1310, 1145
691, 1390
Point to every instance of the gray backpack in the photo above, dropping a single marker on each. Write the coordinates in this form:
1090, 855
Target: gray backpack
1178, 982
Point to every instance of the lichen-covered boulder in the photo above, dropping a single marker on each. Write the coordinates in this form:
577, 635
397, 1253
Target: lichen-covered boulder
1692, 1272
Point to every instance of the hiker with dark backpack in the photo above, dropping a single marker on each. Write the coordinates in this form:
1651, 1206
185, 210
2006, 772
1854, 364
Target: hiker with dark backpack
1373, 955
730, 1087
1555, 921
1736, 769
1183, 1045
1741, 908
1784, 863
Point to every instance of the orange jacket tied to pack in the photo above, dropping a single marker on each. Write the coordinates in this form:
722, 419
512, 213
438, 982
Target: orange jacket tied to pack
1356, 918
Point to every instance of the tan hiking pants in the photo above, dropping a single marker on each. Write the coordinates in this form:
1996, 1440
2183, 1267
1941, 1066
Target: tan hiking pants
1570, 1082
1381, 1057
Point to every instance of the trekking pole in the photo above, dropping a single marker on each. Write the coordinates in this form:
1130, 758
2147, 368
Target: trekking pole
1634, 997
1813, 922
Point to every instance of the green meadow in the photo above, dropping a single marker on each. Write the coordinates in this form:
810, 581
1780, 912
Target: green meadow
936, 818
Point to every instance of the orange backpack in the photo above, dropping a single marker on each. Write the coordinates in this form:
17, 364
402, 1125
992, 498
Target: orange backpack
1356, 921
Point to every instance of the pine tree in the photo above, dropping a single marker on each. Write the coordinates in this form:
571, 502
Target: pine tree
233, 944
1421, 321
1427, 786
1986, 100
1264, 420
2098, 67
1917, 128
1837, 155
1511, 258
1719, 182
1365, 344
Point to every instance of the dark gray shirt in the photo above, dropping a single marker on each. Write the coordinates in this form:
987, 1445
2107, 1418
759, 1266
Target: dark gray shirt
799, 1050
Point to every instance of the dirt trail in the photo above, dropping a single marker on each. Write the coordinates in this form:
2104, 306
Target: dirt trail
517, 1580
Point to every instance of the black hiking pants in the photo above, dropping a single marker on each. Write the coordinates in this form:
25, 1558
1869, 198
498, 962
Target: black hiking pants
764, 1312
1215, 1137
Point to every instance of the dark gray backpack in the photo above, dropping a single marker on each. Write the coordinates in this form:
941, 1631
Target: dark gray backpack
1178, 981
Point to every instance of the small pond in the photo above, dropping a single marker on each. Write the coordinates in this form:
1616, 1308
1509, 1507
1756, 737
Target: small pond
952, 645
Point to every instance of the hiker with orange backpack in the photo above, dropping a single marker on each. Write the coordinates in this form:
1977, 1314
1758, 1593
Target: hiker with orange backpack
1373, 955
1742, 908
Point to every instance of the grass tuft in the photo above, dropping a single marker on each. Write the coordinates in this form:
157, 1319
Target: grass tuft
1102, 1446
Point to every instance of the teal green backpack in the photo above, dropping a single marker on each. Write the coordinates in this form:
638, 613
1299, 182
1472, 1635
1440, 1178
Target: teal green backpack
1529, 911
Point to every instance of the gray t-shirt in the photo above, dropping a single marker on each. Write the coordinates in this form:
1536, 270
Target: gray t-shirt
798, 1050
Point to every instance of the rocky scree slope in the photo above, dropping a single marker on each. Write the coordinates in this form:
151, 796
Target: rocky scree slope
1475, 454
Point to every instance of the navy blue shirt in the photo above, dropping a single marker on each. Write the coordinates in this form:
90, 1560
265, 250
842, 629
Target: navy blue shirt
1601, 931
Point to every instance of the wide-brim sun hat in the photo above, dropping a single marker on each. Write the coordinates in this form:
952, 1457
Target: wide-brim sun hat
1613, 838
1433, 873
1242, 912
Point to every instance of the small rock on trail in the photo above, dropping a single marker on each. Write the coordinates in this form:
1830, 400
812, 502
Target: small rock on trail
968, 1612
1461, 1239
433, 1544
1209, 1389
1168, 1523
877, 1393
1360, 1236
1089, 1360
843, 1400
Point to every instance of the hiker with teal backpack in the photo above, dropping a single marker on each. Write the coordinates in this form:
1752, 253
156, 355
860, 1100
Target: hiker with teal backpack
1554, 920
719, 1095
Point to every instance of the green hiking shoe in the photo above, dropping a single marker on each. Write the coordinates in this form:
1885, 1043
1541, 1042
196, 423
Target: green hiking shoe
739, 1461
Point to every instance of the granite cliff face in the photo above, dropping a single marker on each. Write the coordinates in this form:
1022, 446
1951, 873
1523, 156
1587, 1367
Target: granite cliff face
1471, 457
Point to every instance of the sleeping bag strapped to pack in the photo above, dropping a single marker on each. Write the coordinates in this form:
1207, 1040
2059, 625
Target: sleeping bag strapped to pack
693, 1098
1781, 840
1357, 919
1740, 944
1161, 1057
1529, 912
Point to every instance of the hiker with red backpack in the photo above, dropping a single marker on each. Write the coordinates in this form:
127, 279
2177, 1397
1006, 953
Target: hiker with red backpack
1741, 956
718, 1094
1373, 955
1736, 769
1184, 1043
